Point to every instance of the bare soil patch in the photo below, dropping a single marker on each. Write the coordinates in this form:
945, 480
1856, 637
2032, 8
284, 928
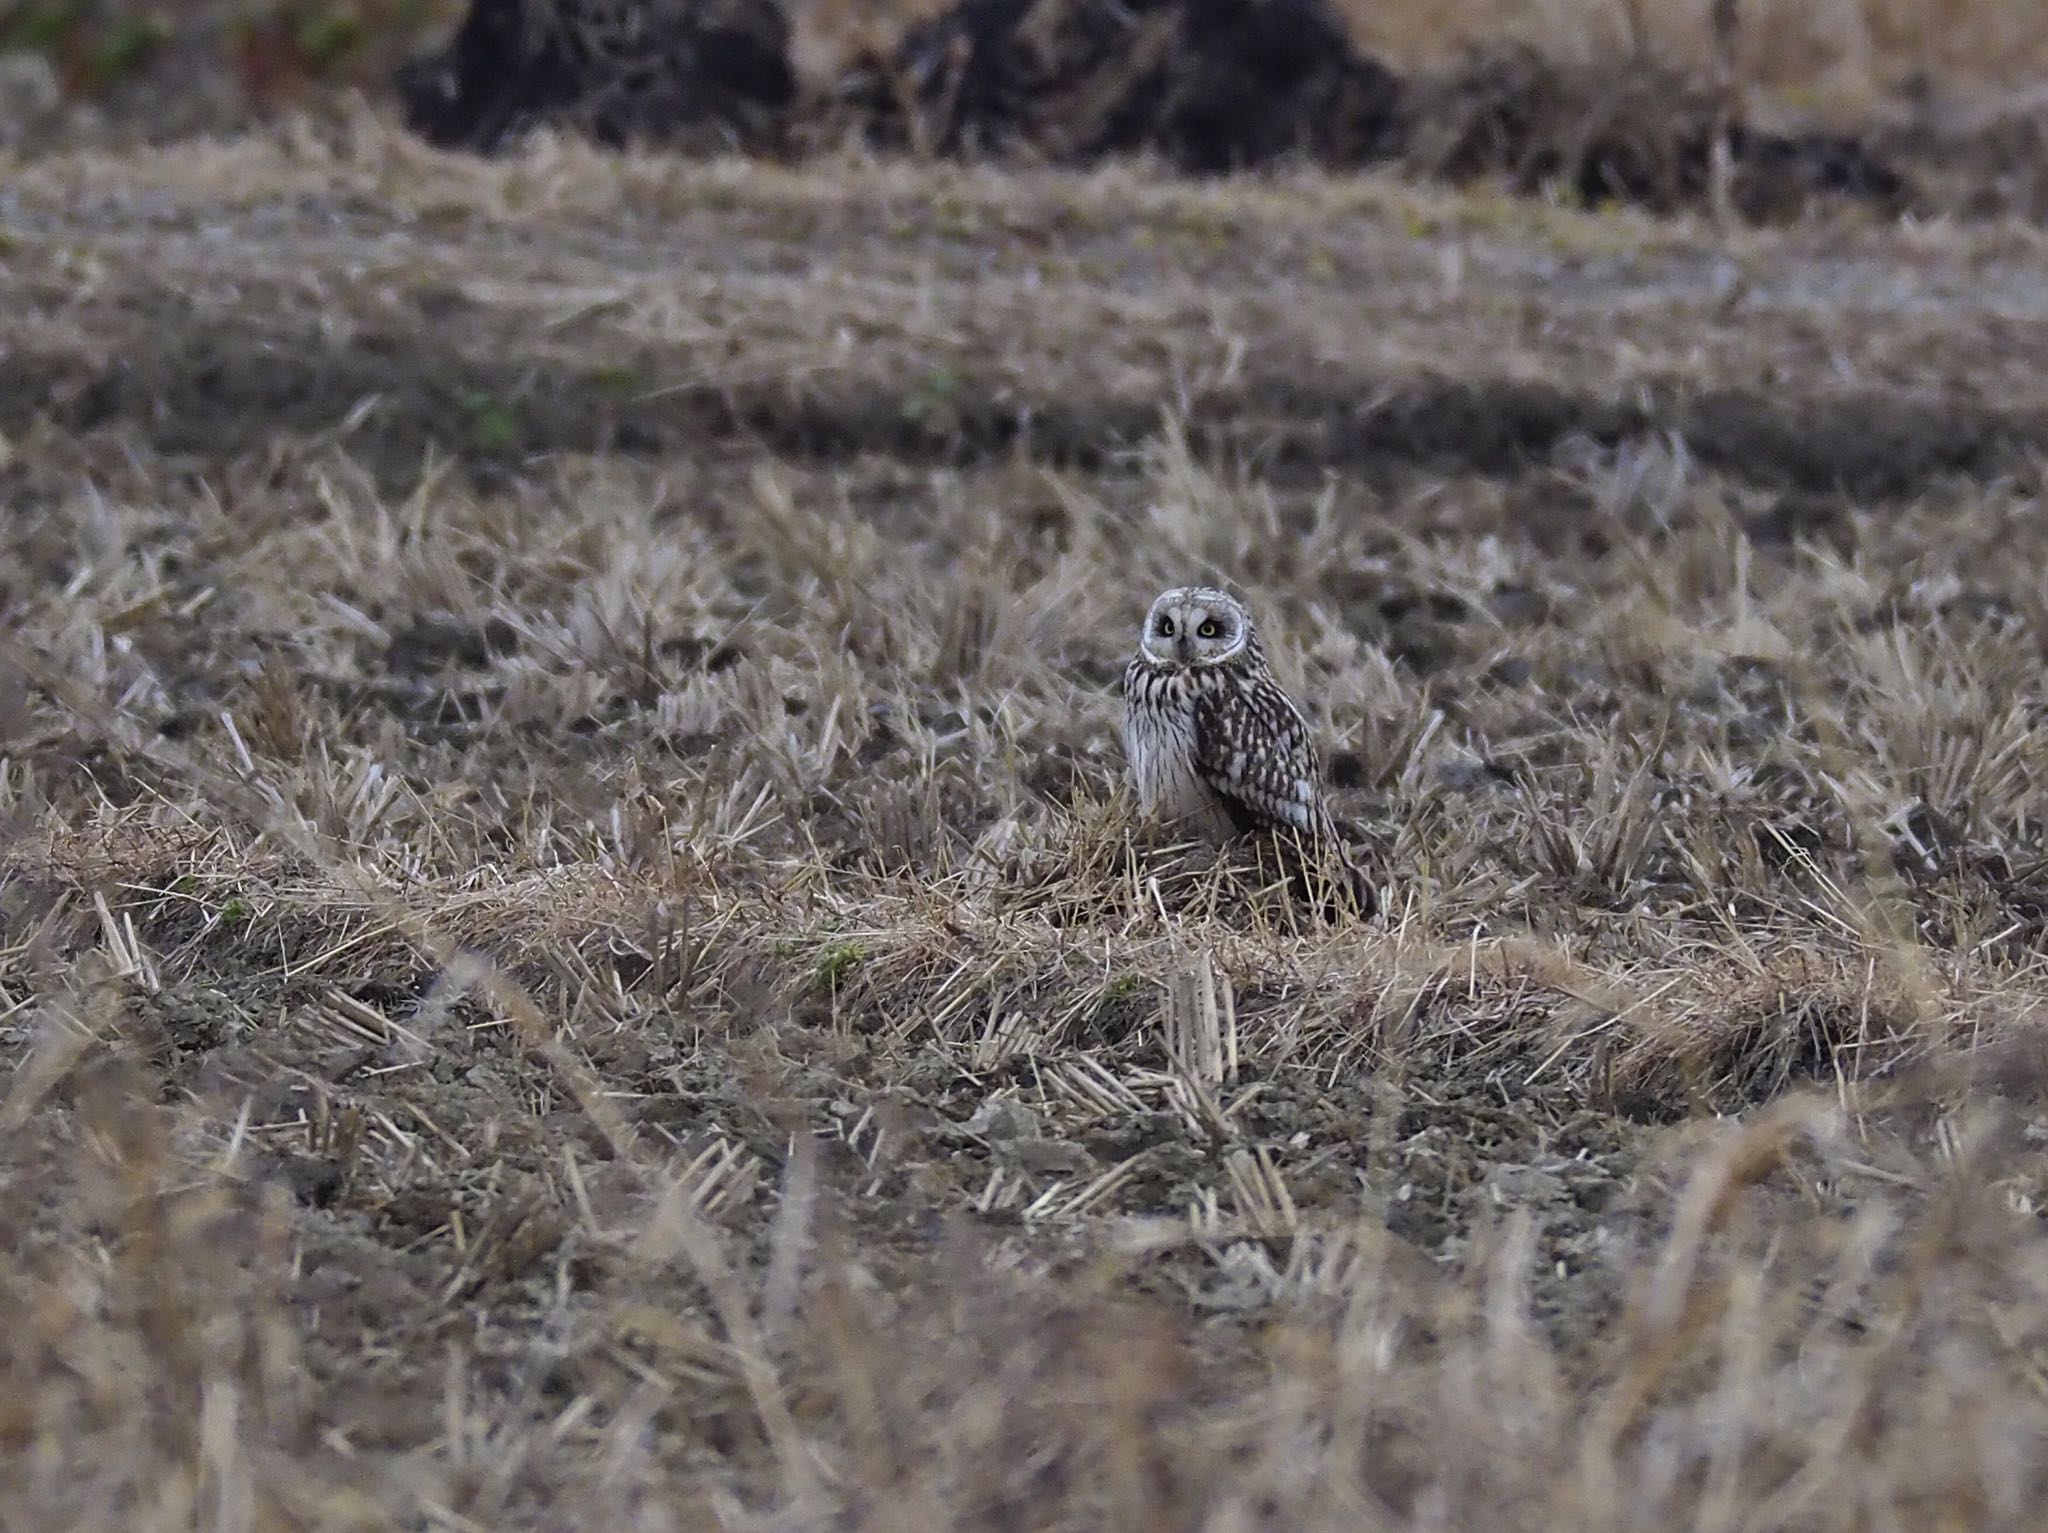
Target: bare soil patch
204, 391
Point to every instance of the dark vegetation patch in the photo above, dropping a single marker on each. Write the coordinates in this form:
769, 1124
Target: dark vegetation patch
1206, 85
1209, 85
1627, 131
707, 74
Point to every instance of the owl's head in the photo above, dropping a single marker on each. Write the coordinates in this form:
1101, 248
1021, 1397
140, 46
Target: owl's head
1197, 625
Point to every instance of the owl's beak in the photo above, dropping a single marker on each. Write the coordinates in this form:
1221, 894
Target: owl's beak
1184, 648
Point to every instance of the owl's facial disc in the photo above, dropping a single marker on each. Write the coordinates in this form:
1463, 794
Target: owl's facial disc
1193, 626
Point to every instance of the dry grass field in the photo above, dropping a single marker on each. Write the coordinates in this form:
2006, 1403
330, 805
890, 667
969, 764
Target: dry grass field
573, 954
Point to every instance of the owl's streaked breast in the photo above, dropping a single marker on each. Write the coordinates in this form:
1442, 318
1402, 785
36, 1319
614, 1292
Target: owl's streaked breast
1159, 742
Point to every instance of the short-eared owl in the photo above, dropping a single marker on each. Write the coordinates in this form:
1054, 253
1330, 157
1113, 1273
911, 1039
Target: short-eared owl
1214, 744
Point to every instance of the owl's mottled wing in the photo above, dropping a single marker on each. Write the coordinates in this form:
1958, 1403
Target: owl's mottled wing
1252, 748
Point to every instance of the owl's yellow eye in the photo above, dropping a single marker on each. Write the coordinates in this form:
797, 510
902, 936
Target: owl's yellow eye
1208, 630
1166, 628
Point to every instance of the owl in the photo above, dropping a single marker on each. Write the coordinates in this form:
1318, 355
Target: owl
1214, 744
